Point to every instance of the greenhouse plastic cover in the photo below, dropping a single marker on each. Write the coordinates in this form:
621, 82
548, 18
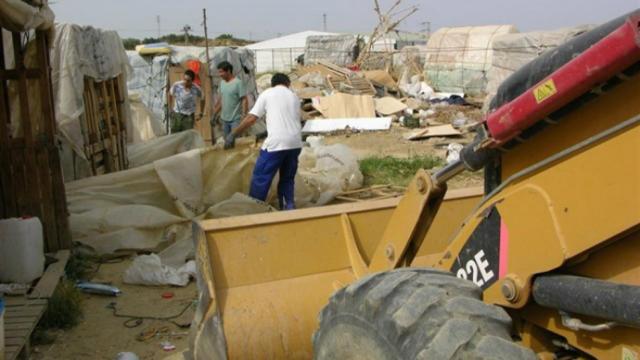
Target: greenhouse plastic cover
147, 152
512, 51
336, 49
457, 59
151, 207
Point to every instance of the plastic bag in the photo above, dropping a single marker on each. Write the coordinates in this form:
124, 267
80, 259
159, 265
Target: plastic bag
324, 172
148, 270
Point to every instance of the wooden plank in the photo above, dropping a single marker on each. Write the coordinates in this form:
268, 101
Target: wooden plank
46, 200
15, 341
15, 74
122, 132
22, 300
47, 284
63, 236
11, 352
8, 207
24, 311
112, 156
19, 320
18, 326
31, 184
18, 174
16, 333
110, 89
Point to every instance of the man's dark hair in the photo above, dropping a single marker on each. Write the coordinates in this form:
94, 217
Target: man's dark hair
190, 74
226, 66
280, 79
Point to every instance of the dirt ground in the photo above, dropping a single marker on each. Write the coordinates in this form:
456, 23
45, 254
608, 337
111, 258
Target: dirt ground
100, 335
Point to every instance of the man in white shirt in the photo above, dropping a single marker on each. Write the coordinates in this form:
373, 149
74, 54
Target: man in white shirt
282, 147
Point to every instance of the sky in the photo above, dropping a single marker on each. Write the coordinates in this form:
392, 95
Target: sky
265, 19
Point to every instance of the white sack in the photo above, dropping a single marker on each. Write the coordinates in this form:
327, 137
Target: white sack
148, 270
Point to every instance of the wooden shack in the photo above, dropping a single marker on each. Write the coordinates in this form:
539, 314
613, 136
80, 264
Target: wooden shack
31, 181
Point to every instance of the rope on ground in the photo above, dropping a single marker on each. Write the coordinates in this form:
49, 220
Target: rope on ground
134, 321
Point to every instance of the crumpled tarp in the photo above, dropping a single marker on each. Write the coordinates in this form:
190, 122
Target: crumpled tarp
512, 51
151, 207
18, 15
163, 147
457, 59
78, 52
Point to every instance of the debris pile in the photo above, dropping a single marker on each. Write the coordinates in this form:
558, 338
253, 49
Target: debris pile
336, 98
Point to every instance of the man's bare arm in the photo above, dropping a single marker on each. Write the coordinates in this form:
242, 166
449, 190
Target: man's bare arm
246, 123
245, 105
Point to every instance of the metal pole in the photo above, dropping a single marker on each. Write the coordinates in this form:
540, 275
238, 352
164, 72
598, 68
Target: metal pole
159, 29
206, 45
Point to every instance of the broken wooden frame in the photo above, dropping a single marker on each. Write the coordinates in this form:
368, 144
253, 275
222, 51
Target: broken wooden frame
104, 125
31, 181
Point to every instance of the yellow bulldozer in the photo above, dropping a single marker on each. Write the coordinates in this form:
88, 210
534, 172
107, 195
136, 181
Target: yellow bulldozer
544, 262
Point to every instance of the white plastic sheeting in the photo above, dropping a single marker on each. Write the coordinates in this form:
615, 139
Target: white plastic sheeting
151, 207
512, 51
338, 49
457, 59
78, 52
325, 171
145, 125
18, 15
149, 270
144, 153
148, 80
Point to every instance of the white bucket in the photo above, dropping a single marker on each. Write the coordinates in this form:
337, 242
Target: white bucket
21, 250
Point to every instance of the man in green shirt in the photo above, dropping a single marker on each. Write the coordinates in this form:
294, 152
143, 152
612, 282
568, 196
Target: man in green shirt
232, 104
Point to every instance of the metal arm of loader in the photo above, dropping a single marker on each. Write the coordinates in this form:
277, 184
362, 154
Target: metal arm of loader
408, 225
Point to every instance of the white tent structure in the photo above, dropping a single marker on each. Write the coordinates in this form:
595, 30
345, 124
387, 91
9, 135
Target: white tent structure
280, 54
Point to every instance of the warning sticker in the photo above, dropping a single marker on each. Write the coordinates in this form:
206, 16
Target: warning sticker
545, 91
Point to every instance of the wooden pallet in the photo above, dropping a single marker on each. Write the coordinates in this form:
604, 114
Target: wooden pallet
20, 319
22, 313
104, 125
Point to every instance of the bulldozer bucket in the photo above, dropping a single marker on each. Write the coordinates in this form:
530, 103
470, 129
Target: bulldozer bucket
264, 278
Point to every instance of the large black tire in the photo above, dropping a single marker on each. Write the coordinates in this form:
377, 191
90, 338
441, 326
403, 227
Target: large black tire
414, 314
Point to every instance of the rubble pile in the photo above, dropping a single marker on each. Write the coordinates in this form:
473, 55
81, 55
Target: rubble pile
336, 98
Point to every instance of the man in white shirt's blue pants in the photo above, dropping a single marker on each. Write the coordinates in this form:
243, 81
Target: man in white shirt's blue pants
280, 151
